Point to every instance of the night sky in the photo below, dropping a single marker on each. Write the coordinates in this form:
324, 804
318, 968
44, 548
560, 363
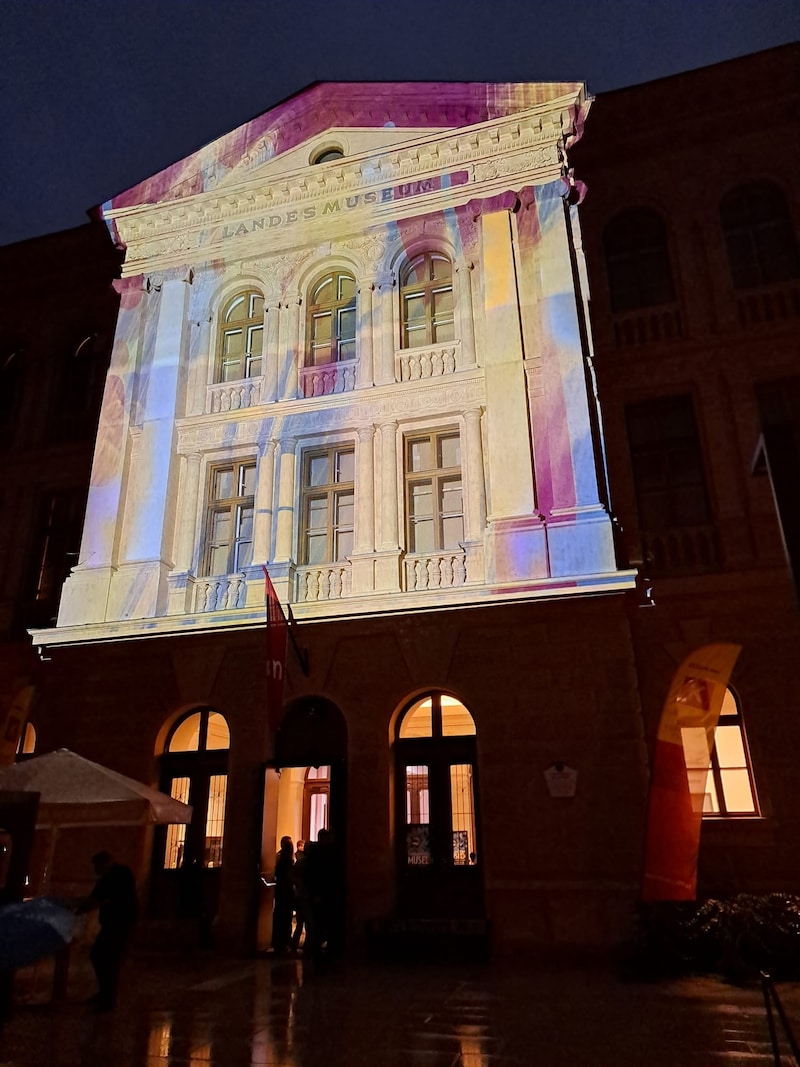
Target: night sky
96, 95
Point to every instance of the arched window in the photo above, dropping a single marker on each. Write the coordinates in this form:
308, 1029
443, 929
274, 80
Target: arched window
637, 261
331, 320
194, 771
241, 336
730, 789
760, 238
426, 300
435, 768
26, 746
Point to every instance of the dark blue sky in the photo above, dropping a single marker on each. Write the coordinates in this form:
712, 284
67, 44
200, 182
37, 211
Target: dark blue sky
96, 95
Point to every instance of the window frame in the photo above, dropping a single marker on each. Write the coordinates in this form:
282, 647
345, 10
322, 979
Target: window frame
336, 309
428, 291
715, 769
234, 505
253, 322
751, 242
332, 492
437, 477
644, 259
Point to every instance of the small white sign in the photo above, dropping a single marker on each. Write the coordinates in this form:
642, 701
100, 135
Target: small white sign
562, 781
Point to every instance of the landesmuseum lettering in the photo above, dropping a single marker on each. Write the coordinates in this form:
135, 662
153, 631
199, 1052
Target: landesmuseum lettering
341, 204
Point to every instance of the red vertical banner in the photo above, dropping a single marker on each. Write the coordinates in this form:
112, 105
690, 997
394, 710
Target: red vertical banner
681, 761
277, 631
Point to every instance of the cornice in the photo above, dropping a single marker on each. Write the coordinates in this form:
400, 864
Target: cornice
200, 227
405, 401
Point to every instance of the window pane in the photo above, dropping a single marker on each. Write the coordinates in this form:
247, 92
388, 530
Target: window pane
317, 471
218, 559
318, 817
256, 309
243, 556
345, 507
347, 287
450, 451
416, 336
176, 833
451, 496
418, 846
237, 309
452, 532
345, 466
343, 547
232, 343
218, 735
223, 484
415, 273
322, 328
456, 720
247, 480
440, 268
730, 749
421, 500
221, 528
417, 721
443, 331
324, 292
187, 735
318, 513
215, 820
347, 325
255, 337
462, 806
710, 800
420, 455
415, 308
443, 303
317, 548
737, 792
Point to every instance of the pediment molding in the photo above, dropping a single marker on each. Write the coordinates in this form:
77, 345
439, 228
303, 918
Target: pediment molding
212, 224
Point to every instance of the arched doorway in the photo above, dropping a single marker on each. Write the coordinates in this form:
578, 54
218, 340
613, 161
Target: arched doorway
439, 859
187, 860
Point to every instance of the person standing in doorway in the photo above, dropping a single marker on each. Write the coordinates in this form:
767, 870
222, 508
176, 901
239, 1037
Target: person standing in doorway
283, 909
115, 899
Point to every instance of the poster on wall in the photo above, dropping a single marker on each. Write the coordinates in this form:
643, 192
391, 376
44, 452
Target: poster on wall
418, 845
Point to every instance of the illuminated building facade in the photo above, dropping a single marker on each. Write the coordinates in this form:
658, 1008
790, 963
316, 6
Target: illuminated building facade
354, 345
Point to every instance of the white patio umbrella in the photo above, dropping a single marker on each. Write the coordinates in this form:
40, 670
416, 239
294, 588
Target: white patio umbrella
65, 779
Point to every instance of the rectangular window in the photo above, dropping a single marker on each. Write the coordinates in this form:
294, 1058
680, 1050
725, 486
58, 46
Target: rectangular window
215, 820
229, 518
462, 806
328, 505
669, 478
434, 492
730, 789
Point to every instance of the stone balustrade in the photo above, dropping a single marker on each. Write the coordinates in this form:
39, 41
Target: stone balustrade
327, 379
329, 581
233, 396
433, 361
438, 570
219, 593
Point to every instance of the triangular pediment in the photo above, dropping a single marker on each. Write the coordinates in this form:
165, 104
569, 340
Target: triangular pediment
366, 116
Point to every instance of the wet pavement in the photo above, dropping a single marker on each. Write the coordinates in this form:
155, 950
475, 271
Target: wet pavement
200, 1010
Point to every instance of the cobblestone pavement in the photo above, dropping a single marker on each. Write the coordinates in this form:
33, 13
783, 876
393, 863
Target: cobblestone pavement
201, 1010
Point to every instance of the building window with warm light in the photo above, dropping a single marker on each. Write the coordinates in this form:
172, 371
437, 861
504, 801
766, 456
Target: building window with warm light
241, 338
328, 505
434, 497
229, 518
426, 301
331, 320
730, 788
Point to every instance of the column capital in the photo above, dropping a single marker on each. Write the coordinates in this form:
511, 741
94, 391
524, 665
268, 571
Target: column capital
267, 447
463, 263
289, 300
385, 280
389, 427
287, 444
367, 284
365, 433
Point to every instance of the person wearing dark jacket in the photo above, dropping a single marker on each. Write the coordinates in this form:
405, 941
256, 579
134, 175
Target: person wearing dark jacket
114, 897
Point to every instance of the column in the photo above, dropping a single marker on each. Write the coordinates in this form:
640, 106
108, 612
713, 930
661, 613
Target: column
289, 346
389, 508
466, 314
185, 540
384, 332
284, 530
265, 495
202, 357
270, 357
365, 345
475, 487
516, 544
365, 491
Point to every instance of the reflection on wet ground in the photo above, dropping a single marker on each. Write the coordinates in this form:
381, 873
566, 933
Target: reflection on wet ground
202, 1011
